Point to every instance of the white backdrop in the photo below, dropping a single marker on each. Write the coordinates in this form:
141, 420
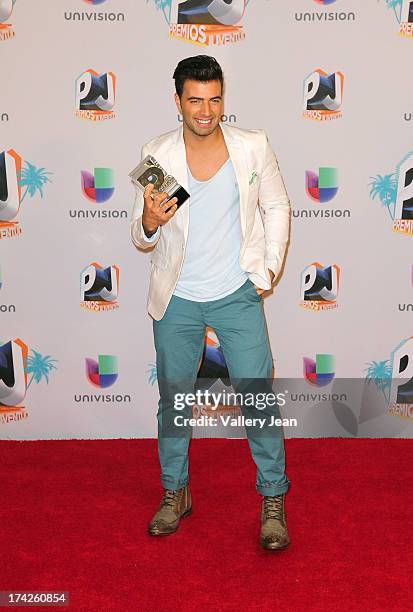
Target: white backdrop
45, 47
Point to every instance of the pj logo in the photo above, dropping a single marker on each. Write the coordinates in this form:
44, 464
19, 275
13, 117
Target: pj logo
99, 287
204, 22
6, 9
323, 95
17, 364
395, 192
319, 287
95, 95
15, 175
394, 378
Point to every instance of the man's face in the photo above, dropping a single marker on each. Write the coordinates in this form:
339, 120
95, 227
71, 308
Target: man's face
201, 106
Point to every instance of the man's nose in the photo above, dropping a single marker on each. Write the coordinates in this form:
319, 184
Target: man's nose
206, 108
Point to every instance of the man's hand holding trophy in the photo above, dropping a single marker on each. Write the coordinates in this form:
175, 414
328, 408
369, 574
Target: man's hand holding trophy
161, 192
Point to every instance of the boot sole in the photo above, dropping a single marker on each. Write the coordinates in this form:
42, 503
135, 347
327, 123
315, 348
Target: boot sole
273, 546
155, 532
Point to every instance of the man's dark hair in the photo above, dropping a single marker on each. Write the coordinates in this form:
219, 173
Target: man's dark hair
202, 68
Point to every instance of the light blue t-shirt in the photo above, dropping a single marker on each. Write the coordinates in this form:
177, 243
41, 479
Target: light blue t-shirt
211, 268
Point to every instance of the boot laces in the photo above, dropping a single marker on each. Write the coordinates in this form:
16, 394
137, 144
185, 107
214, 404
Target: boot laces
273, 507
170, 497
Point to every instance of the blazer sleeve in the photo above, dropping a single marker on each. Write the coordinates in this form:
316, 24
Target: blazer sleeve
275, 210
139, 238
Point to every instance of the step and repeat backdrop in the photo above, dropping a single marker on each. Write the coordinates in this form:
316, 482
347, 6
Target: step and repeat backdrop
85, 83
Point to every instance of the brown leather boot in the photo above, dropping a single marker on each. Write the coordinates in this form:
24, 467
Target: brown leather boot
274, 534
174, 506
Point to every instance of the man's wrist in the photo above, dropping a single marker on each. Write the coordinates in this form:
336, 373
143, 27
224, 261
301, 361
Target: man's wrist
149, 232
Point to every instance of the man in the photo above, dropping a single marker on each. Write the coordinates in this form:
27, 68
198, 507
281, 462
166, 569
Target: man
214, 257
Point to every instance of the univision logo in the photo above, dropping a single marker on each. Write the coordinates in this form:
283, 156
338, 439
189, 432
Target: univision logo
314, 16
321, 187
93, 15
97, 187
102, 373
319, 371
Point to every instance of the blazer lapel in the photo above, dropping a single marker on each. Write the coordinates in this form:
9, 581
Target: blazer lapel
237, 154
178, 169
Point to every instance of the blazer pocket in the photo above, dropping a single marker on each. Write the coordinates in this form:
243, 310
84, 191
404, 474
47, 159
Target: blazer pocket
159, 259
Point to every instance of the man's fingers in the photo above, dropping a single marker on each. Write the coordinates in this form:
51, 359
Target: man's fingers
159, 197
172, 210
148, 190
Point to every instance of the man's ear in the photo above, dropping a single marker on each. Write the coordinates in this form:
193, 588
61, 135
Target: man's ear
178, 103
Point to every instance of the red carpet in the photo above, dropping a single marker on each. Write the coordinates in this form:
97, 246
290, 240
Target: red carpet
74, 515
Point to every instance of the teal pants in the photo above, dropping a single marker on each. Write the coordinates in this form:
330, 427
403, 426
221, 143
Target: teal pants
239, 323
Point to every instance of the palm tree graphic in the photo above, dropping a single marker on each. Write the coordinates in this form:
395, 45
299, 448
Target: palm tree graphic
385, 187
164, 6
39, 367
380, 372
33, 179
152, 373
397, 7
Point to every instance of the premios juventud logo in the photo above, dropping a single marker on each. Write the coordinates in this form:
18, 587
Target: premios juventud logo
403, 12
395, 193
323, 95
6, 28
19, 368
18, 179
99, 287
319, 287
204, 22
394, 378
95, 95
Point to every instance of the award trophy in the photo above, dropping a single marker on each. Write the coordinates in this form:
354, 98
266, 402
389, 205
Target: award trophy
150, 172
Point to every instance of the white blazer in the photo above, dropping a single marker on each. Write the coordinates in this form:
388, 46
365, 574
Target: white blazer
264, 212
